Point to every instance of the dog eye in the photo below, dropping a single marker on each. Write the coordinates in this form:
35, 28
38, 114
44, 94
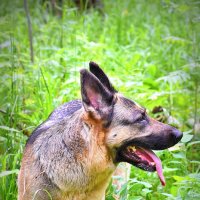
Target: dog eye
140, 119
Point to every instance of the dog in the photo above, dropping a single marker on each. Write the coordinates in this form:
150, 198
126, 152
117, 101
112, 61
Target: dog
73, 154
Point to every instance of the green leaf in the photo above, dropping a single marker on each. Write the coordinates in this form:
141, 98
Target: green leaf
146, 184
179, 155
6, 173
186, 138
167, 169
179, 178
193, 143
9, 129
168, 195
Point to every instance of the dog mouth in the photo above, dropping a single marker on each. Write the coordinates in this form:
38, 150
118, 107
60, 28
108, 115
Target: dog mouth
142, 158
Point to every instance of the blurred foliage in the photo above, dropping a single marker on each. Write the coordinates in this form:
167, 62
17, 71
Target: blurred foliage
150, 49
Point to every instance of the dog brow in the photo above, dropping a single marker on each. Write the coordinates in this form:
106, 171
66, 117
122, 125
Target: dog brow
130, 103
127, 102
141, 108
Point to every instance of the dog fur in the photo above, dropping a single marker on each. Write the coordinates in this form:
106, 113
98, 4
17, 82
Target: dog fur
73, 154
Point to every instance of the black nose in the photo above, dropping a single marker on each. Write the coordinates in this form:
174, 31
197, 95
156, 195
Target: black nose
177, 135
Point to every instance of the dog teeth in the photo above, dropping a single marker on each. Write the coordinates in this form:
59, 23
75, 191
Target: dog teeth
153, 163
131, 148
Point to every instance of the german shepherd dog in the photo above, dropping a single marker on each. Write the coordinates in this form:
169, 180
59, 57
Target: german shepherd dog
73, 154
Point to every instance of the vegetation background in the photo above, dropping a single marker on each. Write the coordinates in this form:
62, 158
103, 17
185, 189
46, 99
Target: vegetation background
149, 48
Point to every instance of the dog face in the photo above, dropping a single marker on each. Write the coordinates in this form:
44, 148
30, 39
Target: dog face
131, 125
130, 133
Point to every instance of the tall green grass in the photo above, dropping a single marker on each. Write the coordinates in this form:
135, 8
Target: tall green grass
150, 49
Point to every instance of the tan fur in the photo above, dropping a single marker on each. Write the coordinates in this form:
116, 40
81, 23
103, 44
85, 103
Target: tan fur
73, 154
99, 170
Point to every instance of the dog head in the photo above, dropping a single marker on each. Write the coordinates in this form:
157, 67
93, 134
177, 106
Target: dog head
131, 134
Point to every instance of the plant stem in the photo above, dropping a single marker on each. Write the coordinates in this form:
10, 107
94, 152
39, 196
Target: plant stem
195, 104
29, 30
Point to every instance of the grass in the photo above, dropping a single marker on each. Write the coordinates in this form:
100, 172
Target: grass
151, 51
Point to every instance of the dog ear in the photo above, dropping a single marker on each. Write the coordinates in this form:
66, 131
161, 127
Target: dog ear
99, 73
95, 97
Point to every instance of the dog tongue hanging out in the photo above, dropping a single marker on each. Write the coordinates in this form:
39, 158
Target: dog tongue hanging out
145, 159
73, 154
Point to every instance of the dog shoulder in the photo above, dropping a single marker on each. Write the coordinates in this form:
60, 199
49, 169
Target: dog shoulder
56, 116
65, 110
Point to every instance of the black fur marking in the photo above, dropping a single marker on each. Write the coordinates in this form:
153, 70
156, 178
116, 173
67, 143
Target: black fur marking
56, 116
40, 129
99, 73
155, 141
63, 142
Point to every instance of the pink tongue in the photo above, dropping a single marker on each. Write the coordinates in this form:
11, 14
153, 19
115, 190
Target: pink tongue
158, 163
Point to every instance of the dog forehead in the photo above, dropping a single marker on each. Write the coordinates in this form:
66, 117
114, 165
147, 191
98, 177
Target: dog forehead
129, 103
126, 108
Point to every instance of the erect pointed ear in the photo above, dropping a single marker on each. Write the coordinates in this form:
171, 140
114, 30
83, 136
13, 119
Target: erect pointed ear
99, 73
95, 97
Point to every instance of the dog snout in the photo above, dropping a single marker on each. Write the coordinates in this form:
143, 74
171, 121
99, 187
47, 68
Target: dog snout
176, 135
